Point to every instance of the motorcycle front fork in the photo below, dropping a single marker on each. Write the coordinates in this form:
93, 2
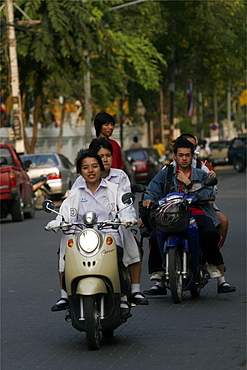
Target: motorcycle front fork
184, 266
101, 311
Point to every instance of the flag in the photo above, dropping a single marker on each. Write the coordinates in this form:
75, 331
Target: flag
189, 94
3, 113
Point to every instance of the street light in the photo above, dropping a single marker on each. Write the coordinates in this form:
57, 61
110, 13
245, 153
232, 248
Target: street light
128, 4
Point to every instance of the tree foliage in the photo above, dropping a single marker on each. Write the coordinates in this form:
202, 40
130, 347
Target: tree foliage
133, 50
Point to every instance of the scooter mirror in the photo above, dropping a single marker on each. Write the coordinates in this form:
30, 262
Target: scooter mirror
48, 206
128, 198
138, 188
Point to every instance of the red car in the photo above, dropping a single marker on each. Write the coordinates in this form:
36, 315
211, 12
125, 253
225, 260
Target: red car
16, 191
146, 163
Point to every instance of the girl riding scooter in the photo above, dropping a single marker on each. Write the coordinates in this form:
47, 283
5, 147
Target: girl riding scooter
102, 197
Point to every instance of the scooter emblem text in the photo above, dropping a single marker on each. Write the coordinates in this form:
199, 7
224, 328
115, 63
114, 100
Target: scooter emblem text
104, 251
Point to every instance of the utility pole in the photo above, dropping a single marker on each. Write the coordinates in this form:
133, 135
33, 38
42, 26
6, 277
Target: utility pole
16, 115
229, 109
201, 114
161, 115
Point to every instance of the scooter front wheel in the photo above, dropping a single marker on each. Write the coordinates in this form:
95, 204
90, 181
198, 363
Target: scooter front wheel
91, 315
175, 274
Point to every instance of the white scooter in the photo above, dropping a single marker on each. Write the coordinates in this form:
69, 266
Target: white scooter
91, 274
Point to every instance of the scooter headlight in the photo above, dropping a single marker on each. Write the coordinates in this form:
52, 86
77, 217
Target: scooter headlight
88, 241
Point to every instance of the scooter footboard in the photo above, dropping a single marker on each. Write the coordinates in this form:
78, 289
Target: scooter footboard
91, 285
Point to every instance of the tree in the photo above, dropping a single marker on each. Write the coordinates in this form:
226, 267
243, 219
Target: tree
55, 51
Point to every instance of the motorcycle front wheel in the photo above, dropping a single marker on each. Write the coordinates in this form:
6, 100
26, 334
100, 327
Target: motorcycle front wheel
175, 274
91, 315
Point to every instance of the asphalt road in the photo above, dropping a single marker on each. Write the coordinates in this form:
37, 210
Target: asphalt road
203, 333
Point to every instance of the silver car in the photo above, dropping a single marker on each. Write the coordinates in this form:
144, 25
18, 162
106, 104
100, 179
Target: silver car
61, 173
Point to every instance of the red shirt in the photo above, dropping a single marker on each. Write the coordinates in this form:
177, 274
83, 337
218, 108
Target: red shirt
118, 161
193, 209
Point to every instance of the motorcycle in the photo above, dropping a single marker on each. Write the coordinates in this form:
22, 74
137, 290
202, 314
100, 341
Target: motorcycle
91, 274
178, 240
40, 191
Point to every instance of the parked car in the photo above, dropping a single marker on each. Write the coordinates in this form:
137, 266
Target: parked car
61, 173
16, 191
237, 153
146, 163
219, 152
128, 168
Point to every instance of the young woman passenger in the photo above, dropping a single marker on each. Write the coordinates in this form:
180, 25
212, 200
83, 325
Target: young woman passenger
104, 125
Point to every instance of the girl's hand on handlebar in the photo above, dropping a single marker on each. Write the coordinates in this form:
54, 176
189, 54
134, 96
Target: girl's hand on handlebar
140, 222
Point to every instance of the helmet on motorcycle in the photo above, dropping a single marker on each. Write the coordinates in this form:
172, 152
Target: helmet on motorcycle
173, 215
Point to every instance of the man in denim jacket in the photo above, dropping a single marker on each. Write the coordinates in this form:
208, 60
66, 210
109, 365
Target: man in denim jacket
206, 218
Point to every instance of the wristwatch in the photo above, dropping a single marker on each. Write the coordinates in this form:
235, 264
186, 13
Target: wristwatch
189, 186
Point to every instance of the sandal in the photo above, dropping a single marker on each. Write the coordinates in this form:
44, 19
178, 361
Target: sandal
61, 304
141, 300
125, 311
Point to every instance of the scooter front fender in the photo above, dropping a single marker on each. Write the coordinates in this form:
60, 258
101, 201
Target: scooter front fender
91, 285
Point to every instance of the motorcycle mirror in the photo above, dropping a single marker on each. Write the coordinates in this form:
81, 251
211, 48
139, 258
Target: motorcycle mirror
211, 181
48, 206
128, 198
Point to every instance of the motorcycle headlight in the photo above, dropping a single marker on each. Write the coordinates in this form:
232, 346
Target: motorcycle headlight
88, 241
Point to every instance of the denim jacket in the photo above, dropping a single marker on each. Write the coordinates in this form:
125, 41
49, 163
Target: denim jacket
156, 189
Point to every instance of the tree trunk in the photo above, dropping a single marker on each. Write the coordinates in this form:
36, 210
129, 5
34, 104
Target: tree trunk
215, 106
30, 148
60, 136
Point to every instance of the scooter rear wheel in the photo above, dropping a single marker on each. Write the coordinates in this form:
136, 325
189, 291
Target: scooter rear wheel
91, 315
175, 274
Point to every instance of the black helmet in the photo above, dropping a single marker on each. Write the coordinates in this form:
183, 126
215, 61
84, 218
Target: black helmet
173, 215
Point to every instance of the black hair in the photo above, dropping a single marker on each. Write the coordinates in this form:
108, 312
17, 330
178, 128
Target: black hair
187, 136
86, 153
135, 139
182, 143
100, 119
101, 142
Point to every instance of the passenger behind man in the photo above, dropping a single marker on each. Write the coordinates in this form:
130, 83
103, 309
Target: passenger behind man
207, 219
